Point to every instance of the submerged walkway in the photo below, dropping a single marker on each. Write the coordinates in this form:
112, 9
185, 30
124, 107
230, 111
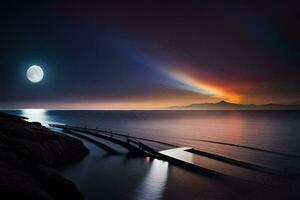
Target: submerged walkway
186, 157
131, 143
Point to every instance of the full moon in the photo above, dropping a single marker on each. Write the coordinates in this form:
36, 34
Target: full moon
35, 73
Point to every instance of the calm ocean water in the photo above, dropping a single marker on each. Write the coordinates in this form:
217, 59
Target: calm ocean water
137, 178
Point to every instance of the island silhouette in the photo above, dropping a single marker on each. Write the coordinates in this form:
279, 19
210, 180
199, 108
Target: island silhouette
225, 105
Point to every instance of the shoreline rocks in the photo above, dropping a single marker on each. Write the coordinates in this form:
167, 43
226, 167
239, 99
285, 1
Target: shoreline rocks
29, 154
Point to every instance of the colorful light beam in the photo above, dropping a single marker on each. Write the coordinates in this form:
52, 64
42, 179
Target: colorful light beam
187, 82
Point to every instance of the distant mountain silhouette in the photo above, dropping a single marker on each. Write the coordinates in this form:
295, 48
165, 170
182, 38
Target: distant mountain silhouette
224, 105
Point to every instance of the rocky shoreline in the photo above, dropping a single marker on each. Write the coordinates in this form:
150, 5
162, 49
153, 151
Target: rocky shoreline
29, 155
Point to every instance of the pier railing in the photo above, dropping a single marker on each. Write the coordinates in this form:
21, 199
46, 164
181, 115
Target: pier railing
132, 143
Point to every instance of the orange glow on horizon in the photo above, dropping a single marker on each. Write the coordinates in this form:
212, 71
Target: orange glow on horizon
155, 103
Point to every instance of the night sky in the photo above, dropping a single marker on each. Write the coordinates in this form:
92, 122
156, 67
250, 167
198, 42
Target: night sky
149, 54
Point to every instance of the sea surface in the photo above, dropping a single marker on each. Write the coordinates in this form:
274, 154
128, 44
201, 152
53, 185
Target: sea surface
266, 138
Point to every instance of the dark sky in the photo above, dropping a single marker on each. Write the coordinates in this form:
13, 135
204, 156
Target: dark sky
149, 54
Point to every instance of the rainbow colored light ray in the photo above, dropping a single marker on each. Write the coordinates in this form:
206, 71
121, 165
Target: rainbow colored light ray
187, 82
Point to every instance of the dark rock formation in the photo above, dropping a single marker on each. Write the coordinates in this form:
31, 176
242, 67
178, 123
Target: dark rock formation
28, 152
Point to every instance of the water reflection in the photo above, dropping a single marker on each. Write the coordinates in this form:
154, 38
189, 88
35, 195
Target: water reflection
36, 115
270, 130
155, 182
